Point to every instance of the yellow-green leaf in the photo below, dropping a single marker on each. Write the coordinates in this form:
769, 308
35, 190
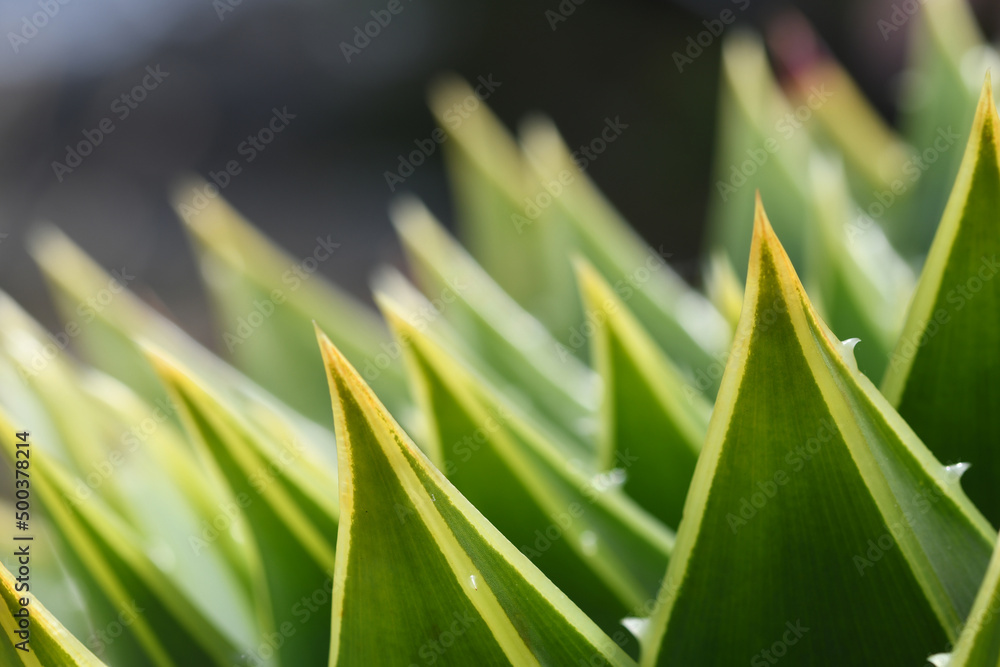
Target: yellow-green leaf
944, 374
650, 417
46, 642
410, 541
575, 525
816, 521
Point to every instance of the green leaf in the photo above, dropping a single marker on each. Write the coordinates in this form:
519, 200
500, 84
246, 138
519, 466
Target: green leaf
944, 375
757, 148
683, 323
50, 645
858, 282
649, 415
267, 301
109, 336
410, 541
816, 517
507, 339
291, 517
127, 594
948, 59
979, 643
492, 194
578, 529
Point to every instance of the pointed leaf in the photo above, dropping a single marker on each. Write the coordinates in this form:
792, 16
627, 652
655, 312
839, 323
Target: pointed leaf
979, 643
944, 375
814, 510
682, 321
508, 339
440, 560
293, 522
125, 589
49, 644
588, 538
249, 278
649, 414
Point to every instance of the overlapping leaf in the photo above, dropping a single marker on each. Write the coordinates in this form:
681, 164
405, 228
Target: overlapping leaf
267, 300
291, 517
817, 522
944, 374
650, 418
509, 340
46, 642
577, 527
683, 323
409, 540
139, 616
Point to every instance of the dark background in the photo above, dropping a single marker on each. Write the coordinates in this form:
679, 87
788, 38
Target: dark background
324, 174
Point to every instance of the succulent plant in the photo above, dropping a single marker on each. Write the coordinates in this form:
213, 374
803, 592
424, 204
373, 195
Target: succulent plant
548, 448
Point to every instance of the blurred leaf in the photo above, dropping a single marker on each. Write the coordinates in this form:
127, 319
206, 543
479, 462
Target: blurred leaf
873, 153
49, 645
491, 191
131, 455
139, 616
948, 59
409, 540
109, 334
813, 507
293, 522
649, 416
724, 289
578, 529
944, 375
267, 301
684, 324
857, 280
508, 339
761, 145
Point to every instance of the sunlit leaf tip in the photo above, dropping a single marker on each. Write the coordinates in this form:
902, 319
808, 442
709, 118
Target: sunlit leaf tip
409, 540
944, 373
809, 478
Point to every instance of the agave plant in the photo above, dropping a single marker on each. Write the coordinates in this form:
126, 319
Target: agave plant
549, 449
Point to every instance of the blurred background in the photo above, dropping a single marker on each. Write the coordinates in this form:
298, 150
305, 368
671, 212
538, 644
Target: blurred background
183, 85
